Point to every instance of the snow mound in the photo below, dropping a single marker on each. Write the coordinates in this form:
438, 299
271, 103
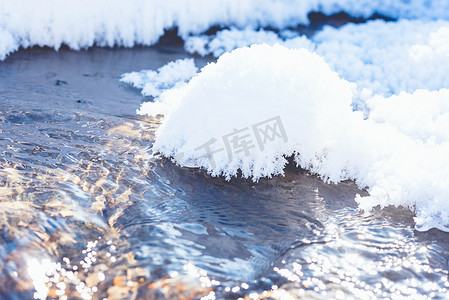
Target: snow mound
256, 106
83, 23
153, 83
291, 90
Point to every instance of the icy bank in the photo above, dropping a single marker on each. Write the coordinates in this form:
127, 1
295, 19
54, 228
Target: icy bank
382, 57
81, 24
258, 105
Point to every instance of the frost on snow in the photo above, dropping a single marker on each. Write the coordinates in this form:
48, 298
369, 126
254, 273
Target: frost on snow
256, 106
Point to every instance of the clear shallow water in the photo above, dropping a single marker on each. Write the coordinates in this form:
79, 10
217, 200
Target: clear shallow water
87, 210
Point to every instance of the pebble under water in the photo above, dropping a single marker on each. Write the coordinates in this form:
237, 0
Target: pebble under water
87, 211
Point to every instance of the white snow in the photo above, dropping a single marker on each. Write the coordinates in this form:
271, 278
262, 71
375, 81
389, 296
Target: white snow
84, 23
389, 57
171, 75
229, 103
381, 57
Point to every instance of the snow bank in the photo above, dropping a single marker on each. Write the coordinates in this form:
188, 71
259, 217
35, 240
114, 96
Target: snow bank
414, 170
258, 105
83, 23
382, 57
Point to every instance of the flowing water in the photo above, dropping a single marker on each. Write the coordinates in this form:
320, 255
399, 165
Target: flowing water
88, 211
